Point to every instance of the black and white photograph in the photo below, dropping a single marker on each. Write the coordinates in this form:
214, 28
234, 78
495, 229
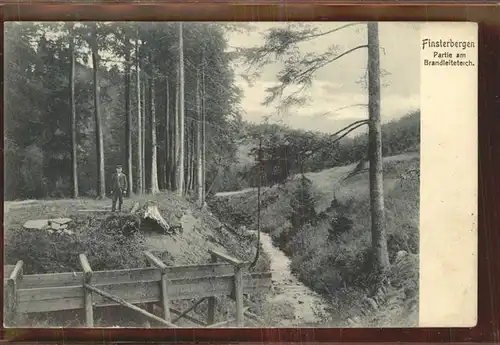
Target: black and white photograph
212, 174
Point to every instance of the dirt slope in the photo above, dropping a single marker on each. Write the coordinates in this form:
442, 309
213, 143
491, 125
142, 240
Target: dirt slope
46, 253
201, 230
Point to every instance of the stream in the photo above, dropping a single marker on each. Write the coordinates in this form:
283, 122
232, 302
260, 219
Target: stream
307, 305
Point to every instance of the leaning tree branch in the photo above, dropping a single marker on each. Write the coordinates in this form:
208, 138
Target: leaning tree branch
258, 56
321, 65
313, 36
352, 127
345, 107
301, 76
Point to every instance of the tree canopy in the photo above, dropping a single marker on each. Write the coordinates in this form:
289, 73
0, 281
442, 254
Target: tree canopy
38, 107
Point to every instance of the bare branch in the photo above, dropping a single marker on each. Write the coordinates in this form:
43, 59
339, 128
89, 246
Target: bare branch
294, 74
282, 41
351, 127
342, 108
313, 36
336, 58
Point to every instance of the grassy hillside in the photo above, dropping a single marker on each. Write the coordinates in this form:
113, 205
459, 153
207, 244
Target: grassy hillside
101, 239
333, 258
399, 136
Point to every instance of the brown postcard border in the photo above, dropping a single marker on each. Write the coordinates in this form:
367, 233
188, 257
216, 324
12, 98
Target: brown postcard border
488, 17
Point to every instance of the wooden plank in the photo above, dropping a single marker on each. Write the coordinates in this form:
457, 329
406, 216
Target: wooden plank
128, 305
17, 272
163, 284
238, 293
7, 269
125, 275
87, 294
211, 300
87, 271
189, 318
11, 287
195, 271
68, 298
185, 312
10, 293
155, 261
51, 280
227, 258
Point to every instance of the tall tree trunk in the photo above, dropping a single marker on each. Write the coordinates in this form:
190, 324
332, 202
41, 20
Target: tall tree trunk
154, 149
74, 158
180, 163
168, 164
101, 182
175, 175
187, 172
199, 153
140, 171
379, 238
204, 142
144, 123
128, 119
192, 174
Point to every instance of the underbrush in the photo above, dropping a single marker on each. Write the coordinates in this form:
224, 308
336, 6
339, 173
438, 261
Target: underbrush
334, 257
340, 266
101, 237
105, 246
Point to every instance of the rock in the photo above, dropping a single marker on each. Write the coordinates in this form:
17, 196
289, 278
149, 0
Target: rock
39, 224
400, 255
45, 224
61, 221
56, 226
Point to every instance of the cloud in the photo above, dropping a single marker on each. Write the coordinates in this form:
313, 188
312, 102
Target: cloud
336, 97
329, 105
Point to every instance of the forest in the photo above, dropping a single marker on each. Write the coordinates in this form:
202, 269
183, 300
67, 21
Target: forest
162, 99
293, 151
81, 98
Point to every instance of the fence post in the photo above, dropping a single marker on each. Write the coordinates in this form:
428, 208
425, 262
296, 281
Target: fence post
87, 294
211, 300
238, 295
164, 284
10, 293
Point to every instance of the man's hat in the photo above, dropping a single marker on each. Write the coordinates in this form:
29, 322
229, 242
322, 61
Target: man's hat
118, 165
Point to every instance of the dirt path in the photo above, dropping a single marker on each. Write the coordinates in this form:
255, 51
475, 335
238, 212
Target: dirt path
308, 306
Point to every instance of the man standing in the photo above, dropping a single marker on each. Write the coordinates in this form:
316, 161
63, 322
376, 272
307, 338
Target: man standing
119, 183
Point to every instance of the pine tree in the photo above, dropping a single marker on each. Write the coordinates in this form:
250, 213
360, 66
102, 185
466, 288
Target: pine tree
302, 204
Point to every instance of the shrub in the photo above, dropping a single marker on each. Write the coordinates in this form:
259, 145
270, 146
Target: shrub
106, 247
302, 204
338, 226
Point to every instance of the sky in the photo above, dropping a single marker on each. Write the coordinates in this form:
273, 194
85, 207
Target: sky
336, 88
337, 85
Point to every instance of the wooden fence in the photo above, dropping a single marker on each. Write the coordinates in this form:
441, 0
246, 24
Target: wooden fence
159, 284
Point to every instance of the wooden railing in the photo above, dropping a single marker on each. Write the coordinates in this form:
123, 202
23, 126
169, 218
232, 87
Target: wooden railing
159, 284
13, 276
